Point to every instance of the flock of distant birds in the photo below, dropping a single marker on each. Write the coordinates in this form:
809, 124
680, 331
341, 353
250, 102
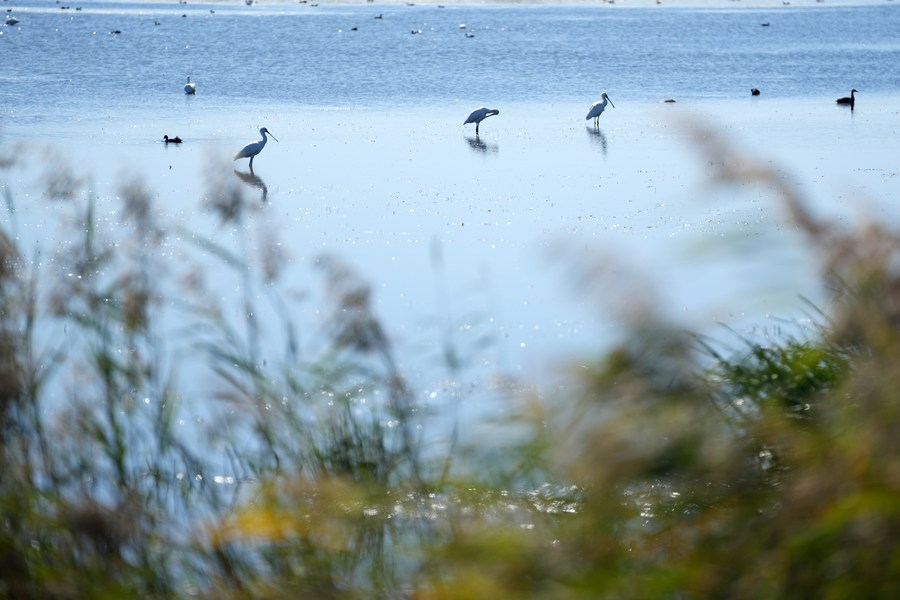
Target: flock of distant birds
249, 151
477, 116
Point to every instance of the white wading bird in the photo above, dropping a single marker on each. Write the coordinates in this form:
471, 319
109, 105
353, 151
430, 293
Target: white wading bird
480, 115
189, 88
251, 150
597, 109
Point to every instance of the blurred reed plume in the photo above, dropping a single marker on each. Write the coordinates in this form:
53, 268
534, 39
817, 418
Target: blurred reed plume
167, 441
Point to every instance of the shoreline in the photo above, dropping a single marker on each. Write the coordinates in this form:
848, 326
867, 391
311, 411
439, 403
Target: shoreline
689, 4
607, 3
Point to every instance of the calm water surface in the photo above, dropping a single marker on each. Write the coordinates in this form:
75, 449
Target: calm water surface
63, 64
373, 163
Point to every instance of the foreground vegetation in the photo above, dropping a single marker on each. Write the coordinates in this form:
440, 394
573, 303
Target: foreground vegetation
670, 467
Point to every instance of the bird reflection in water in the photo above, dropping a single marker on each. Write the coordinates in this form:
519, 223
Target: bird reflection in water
479, 145
597, 136
254, 181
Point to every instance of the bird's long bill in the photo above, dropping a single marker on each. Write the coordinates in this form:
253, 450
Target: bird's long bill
610, 101
273, 137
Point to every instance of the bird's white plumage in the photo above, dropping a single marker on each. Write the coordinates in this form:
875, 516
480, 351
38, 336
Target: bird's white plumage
598, 107
251, 150
480, 115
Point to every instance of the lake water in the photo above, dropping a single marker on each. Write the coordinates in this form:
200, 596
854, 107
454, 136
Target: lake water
373, 163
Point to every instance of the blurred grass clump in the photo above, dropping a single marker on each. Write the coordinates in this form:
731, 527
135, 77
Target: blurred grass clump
669, 467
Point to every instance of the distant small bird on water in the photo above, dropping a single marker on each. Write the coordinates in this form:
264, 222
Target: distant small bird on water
480, 115
251, 150
754, 92
189, 88
597, 109
851, 99
171, 140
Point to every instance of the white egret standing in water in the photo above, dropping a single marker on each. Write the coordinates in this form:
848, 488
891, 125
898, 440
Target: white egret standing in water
251, 150
480, 115
597, 109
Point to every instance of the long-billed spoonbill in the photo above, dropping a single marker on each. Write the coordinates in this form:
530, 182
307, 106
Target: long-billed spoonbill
480, 115
251, 150
189, 88
851, 99
597, 109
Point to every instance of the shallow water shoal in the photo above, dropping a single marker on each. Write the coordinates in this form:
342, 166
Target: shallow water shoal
381, 188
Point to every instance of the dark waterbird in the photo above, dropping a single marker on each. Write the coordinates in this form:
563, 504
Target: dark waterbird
851, 99
480, 115
171, 140
754, 92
